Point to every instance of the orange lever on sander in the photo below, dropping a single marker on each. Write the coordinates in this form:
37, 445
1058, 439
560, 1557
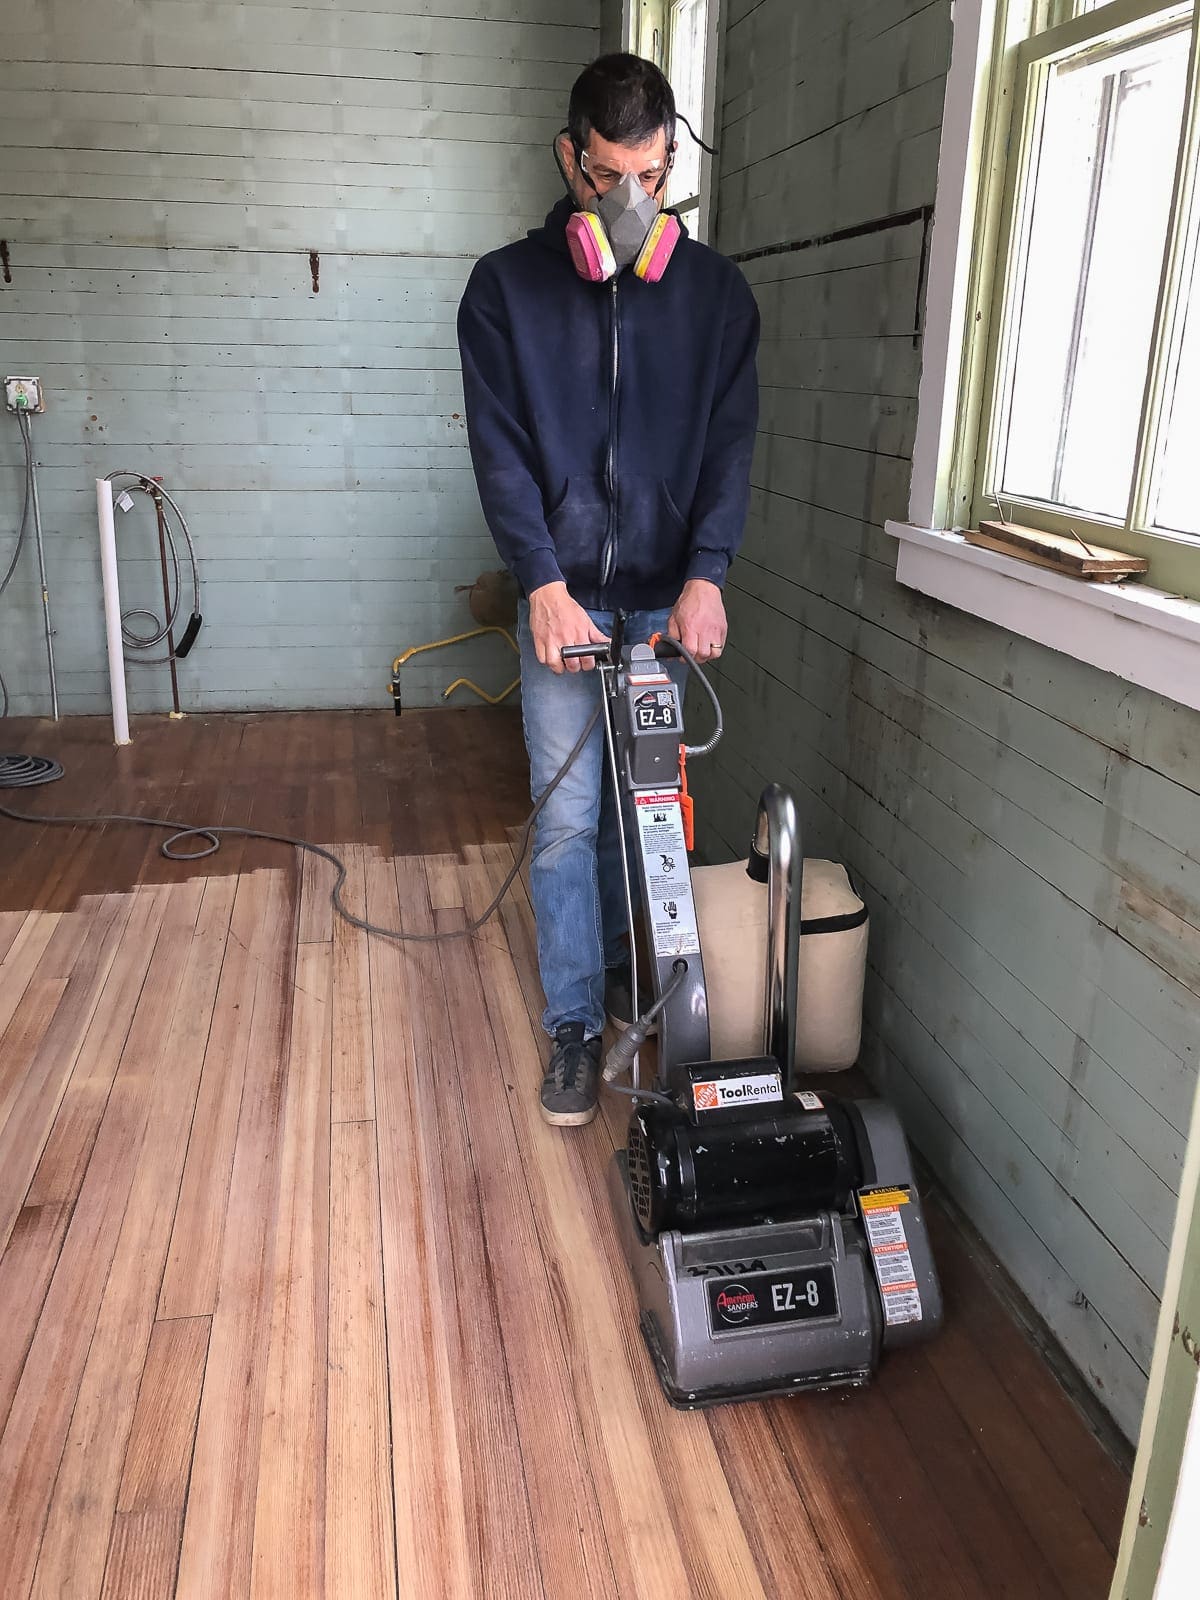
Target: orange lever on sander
687, 805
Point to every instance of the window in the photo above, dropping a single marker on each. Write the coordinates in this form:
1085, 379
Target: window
1060, 351
679, 36
686, 41
1087, 386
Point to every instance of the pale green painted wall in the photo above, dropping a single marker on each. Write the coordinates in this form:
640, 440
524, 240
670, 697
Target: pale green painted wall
165, 168
1025, 829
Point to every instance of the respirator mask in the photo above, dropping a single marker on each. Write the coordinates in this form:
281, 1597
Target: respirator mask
623, 227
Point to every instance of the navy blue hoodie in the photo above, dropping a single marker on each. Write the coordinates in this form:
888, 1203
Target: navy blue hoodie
611, 425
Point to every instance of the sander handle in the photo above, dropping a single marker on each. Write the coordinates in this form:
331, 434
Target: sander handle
777, 836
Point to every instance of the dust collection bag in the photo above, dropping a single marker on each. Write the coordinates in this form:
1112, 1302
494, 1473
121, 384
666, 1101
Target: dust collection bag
731, 910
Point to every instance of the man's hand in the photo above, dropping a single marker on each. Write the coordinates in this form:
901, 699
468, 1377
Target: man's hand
698, 620
555, 620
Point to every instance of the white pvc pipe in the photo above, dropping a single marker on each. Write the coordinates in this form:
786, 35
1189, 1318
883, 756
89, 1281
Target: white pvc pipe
112, 610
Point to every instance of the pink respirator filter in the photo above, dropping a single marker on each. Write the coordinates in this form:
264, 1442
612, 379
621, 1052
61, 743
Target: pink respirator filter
658, 248
589, 247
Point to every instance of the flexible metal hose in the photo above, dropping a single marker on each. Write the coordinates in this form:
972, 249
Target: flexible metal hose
715, 738
27, 441
133, 640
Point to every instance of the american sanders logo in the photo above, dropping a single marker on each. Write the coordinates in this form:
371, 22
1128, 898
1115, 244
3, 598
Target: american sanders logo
735, 1302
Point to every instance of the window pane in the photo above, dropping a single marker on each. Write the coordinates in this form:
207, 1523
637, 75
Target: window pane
688, 29
1179, 489
1102, 181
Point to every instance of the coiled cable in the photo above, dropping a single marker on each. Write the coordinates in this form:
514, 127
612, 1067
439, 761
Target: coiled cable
27, 772
133, 639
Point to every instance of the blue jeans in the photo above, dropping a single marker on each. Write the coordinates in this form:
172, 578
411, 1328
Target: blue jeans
575, 872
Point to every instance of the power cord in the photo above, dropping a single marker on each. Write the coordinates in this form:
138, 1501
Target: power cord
27, 772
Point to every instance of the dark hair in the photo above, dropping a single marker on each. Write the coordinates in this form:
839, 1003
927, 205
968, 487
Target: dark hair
624, 98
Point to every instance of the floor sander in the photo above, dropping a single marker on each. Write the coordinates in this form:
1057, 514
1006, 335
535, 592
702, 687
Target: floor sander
776, 1234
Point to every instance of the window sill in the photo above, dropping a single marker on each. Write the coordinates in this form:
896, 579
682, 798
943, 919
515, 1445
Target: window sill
1141, 634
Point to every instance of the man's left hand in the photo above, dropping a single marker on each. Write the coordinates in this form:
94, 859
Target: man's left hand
698, 620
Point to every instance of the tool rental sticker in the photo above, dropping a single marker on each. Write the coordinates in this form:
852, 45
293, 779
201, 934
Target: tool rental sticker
884, 1221
753, 1089
671, 910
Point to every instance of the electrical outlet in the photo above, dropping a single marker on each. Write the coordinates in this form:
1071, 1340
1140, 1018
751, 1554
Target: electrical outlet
24, 394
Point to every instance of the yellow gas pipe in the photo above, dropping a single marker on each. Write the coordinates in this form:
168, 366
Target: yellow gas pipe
437, 644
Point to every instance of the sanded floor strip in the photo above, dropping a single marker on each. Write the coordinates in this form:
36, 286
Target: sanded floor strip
301, 1296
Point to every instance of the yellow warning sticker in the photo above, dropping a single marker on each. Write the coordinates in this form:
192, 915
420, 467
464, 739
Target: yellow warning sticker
879, 1199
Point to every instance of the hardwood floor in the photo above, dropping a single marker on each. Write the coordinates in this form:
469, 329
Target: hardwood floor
298, 1294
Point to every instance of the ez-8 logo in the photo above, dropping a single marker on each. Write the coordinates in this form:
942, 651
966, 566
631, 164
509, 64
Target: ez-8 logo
728, 1269
785, 1298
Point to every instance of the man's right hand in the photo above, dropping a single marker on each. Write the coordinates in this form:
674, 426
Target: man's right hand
555, 620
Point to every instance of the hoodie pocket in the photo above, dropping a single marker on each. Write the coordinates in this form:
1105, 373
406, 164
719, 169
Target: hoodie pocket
673, 510
577, 525
654, 537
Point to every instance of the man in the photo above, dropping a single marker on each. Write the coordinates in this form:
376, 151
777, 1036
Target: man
611, 408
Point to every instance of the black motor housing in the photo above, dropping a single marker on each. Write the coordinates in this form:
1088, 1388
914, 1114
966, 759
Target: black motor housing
779, 1161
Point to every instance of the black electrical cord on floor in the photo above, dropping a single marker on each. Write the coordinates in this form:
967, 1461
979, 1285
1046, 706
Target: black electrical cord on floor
28, 772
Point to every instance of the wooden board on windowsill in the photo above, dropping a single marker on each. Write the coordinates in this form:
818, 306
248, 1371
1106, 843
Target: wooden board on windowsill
1058, 551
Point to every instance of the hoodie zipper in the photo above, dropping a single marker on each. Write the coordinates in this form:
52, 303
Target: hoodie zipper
609, 561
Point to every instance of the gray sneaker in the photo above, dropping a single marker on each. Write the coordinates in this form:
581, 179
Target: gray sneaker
571, 1084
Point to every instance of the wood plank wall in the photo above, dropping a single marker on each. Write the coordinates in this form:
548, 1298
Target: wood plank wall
166, 166
1024, 827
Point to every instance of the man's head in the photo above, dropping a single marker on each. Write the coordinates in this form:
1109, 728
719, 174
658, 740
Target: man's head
621, 119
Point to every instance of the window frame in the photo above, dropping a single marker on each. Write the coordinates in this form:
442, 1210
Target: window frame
646, 18
1144, 634
1174, 557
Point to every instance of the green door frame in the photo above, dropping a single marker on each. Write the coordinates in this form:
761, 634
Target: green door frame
1170, 1400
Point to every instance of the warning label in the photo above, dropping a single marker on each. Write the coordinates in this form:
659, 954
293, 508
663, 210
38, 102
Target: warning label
894, 1273
671, 910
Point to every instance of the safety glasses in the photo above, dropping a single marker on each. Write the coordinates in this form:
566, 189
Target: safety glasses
602, 178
